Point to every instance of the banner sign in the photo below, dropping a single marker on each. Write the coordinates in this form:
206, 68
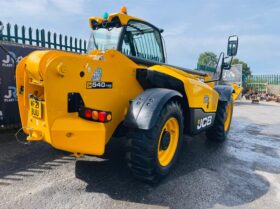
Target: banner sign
9, 113
234, 75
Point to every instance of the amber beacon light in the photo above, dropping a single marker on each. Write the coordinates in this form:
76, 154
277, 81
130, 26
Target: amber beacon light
124, 10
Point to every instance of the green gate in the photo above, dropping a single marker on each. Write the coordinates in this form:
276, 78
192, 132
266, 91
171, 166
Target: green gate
260, 82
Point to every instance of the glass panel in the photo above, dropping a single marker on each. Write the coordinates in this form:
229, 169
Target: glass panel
104, 39
142, 41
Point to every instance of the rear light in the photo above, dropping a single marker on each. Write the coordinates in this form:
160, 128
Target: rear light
109, 117
102, 116
88, 114
95, 115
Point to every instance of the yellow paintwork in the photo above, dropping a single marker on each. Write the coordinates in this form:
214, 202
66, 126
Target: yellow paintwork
97, 19
51, 75
57, 124
228, 117
196, 90
124, 19
237, 91
166, 156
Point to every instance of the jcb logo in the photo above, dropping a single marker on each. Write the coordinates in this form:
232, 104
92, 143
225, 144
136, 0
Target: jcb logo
11, 96
9, 62
202, 123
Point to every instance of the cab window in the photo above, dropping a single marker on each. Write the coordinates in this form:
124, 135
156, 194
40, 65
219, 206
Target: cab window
142, 41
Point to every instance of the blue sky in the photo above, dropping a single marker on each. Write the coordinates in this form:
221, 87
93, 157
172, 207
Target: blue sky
191, 27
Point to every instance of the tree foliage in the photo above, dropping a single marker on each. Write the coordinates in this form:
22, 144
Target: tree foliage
208, 59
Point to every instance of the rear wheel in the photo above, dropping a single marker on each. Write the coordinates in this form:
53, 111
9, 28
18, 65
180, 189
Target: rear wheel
221, 127
152, 153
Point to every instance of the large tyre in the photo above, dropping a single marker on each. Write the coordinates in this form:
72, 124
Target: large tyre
152, 153
221, 127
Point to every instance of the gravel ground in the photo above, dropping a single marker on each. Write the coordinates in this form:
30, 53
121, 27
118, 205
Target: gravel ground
244, 172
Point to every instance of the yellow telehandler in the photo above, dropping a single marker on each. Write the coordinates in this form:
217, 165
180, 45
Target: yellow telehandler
123, 85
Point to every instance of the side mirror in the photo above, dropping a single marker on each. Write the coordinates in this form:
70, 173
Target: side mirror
232, 46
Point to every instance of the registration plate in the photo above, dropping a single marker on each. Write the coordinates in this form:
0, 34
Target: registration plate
36, 108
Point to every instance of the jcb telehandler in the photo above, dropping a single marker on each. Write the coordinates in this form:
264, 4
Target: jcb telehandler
123, 85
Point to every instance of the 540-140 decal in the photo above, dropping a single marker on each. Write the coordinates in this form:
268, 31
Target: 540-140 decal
99, 85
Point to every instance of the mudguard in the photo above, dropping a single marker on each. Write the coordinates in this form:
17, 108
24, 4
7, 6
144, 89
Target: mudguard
225, 92
145, 109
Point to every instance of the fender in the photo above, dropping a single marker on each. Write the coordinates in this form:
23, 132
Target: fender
145, 108
225, 92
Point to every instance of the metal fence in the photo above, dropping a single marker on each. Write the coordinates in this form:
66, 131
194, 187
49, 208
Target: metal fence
260, 82
269, 79
41, 38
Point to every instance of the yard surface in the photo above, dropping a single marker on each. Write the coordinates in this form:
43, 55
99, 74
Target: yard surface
244, 172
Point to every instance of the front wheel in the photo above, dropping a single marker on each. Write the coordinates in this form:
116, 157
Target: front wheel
221, 127
152, 153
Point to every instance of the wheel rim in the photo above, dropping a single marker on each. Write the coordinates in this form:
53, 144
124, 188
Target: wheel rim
228, 117
168, 141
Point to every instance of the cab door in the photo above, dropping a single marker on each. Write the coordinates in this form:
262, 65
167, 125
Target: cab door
142, 40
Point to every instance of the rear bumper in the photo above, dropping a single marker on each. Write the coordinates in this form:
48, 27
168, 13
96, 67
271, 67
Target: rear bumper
78, 136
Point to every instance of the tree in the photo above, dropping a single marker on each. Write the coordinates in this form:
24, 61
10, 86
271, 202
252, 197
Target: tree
208, 59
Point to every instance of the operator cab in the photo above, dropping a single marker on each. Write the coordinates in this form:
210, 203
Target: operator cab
131, 36
139, 40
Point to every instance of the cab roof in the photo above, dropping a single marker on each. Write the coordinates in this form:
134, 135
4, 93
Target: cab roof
115, 18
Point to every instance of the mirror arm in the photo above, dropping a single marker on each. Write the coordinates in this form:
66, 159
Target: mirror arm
222, 70
227, 66
230, 54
